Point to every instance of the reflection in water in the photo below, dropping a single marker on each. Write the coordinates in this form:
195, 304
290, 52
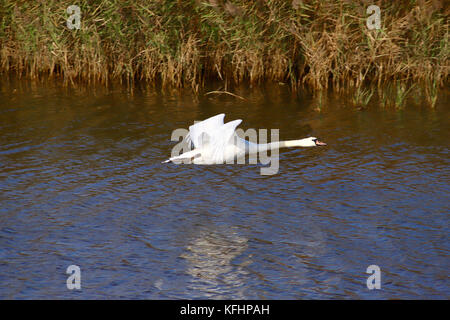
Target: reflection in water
210, 263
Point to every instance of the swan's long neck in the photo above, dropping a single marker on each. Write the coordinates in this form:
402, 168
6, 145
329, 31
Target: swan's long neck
262, 147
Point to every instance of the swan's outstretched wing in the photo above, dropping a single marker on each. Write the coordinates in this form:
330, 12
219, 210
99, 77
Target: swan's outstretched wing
221, 139
187, 156
209, 127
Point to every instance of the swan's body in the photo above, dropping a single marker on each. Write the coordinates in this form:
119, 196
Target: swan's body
215, 143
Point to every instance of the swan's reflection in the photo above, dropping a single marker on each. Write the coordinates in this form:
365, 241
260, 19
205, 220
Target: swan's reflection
210, 258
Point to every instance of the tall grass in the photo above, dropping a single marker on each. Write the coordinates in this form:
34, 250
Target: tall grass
431, 92
361, 96
316, 43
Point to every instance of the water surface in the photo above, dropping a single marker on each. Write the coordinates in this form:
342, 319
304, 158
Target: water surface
81, 182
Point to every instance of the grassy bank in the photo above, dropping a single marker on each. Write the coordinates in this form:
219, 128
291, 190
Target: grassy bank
317, 43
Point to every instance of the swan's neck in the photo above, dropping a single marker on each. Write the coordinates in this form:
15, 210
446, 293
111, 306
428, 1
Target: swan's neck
295, 143
284, 144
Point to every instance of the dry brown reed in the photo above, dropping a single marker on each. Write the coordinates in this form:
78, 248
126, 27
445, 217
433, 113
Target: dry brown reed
317, 43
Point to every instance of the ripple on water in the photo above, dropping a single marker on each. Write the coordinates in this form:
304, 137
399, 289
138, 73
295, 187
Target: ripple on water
85, 185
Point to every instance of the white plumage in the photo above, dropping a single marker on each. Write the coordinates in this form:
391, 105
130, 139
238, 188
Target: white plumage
216, 142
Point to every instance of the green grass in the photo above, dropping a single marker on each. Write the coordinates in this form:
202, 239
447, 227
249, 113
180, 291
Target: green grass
361, 97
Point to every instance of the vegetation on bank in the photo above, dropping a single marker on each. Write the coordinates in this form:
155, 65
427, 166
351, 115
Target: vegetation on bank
184, 43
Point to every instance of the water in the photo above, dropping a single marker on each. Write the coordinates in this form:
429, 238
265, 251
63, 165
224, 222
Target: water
81, 182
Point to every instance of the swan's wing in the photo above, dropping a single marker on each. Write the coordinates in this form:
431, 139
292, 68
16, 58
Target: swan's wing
208, 126
221, 139
186, 157
228, 129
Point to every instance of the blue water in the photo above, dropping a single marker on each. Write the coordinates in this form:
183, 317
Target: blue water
81, 183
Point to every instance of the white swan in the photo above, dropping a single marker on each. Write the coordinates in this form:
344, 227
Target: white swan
215, 143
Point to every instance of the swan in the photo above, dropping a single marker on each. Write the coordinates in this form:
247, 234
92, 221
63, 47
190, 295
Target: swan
216, 142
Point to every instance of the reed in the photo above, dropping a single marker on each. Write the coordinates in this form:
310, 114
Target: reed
313, 43
431, 92
401, 94
361, 96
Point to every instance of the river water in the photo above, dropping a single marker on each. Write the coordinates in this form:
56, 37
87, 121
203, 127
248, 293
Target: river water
81, 183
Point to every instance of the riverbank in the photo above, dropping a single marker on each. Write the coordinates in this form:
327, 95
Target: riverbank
319, 44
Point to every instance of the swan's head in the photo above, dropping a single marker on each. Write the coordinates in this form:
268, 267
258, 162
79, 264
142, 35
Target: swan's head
312, 142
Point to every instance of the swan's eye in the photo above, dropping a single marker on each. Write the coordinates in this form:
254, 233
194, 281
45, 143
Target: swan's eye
315, 139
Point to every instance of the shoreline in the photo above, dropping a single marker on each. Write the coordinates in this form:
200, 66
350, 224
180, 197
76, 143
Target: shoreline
395, 96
